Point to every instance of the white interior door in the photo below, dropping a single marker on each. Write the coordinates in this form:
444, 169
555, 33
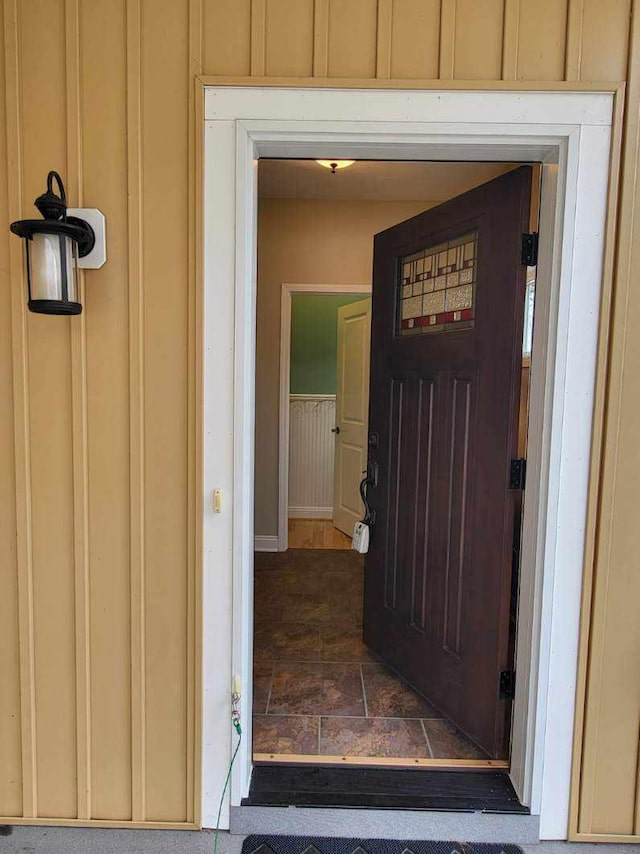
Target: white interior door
352, 412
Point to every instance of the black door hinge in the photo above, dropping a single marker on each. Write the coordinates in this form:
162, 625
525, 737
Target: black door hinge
529, 255
517, 474
507, 684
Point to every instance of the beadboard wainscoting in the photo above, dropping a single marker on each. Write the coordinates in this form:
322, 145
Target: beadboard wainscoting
311, 451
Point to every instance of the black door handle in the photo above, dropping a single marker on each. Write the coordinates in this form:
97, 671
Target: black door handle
369, 512
335, 430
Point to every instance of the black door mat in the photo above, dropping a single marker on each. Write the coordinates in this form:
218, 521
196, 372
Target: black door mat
383, 788
337, 845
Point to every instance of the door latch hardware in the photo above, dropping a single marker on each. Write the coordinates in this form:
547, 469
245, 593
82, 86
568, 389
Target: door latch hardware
374, 440
369, 512
529, 256
517, 474
507, 684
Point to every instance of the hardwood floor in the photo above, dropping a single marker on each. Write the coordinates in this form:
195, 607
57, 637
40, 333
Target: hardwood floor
316, 534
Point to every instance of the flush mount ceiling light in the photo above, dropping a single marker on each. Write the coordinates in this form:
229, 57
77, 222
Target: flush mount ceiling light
334, 165
55, 246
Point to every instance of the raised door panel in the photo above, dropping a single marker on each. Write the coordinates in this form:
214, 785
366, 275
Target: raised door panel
423, 523
350, 461
393, 507
457, 533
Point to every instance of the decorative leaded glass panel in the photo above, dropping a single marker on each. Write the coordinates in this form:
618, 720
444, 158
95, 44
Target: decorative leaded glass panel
437, 286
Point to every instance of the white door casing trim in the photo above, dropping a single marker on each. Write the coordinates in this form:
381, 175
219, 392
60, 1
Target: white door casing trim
288, 290
571, 134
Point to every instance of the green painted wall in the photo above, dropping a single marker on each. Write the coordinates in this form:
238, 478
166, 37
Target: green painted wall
314, 341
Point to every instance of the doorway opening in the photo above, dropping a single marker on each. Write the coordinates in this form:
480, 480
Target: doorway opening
335, 682
322, 326
573, 135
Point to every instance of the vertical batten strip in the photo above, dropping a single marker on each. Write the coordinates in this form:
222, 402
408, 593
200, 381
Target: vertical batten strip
510, 39
24, 558
573, 50
79, 422
258, 37
447, 39
321, 38
136, 407
383, 46
194, 406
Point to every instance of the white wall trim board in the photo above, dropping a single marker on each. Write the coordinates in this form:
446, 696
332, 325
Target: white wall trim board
312, 397
311, 512
570, 133
265, 544
288, 290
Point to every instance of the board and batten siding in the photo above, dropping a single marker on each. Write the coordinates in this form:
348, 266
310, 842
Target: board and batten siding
99, 449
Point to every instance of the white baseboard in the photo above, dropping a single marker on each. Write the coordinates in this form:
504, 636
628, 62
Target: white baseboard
310, 512
265, 544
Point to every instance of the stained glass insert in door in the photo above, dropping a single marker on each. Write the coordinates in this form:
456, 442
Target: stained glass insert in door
437, 286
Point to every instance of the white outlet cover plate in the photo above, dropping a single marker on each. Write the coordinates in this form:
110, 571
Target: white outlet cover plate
96, 219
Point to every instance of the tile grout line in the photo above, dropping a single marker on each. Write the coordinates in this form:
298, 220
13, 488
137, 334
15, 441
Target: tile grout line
345, 717
353, 663
273, 670
426, 738
364, 694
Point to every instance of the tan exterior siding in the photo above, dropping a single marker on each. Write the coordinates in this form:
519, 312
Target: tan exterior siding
98, 476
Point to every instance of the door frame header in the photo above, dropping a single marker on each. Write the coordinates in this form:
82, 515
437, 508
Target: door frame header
570, 133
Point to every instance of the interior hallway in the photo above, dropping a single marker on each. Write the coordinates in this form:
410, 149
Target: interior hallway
317, 689
316, 534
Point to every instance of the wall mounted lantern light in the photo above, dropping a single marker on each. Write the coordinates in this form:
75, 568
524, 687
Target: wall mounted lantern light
55, 246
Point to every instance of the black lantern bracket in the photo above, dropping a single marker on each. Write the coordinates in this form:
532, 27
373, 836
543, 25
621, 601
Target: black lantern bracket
95, 219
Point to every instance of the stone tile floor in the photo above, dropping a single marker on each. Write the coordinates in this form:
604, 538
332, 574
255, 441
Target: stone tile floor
318, 690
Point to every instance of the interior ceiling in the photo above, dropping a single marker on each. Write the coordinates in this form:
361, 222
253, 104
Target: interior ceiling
373, 180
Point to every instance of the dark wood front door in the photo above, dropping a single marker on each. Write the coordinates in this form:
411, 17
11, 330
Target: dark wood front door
446, 352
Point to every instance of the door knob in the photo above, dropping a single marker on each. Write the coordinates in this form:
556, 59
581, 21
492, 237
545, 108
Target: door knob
335, 430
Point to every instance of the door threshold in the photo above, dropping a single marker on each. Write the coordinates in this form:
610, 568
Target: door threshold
460, 789
377, 761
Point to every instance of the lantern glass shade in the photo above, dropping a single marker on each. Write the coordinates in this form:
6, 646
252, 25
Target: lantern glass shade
51, 271
53, 246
